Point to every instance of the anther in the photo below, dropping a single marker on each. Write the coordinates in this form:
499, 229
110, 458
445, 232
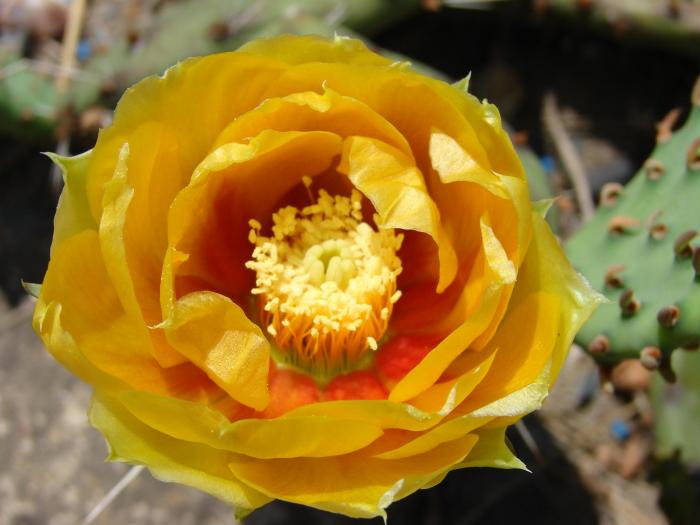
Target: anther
326, 282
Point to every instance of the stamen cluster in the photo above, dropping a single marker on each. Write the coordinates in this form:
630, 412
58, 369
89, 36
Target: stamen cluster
326, 282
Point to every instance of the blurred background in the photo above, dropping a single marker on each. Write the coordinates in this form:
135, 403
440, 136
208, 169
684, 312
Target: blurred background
585, 86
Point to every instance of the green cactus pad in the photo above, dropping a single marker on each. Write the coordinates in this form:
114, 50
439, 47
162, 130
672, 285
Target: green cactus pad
677, 410
638, 250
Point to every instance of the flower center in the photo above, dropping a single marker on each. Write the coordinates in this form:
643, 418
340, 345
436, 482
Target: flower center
326, 281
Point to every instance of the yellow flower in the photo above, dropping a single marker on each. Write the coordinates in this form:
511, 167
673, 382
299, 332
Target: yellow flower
303, 271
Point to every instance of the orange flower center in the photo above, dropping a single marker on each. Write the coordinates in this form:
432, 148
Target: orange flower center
326, 282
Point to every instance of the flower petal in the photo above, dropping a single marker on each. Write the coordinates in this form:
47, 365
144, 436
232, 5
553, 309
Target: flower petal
444, 396
192, 95
214, 333
170, 459
434, 364
492, 450
525, 341
208, 221
301, 49
548, 269
352, 484
449, 431
73, 211
391, 181
311, 111
84, 329
454, 164
114, 238
259, 438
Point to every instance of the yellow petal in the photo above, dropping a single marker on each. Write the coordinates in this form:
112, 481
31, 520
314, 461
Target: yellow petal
525, 341
391, 181
442, 397
79, 314
389, 91
192, 95
214, 333
486, 121
311, 111
352, 484
427, 372
492, 450
139, 268
303, 436
454, 164
384, 414
443, 433
547, 268
310, 48
170, 459
73, 211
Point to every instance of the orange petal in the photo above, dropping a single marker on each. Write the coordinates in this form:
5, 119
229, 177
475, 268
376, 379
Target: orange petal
139, 267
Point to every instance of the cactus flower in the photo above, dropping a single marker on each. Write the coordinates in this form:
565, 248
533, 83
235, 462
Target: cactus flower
302, 271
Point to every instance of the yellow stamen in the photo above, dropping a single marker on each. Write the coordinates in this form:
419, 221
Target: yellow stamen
326, 281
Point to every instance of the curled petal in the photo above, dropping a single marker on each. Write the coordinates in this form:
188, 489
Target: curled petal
214, 333
396, 188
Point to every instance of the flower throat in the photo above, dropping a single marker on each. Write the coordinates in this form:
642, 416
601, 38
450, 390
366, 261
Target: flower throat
326, 283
